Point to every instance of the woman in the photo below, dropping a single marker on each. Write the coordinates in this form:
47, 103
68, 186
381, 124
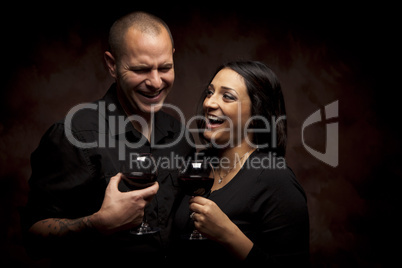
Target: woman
256, 211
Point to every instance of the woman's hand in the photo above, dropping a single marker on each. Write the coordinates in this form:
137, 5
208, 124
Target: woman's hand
212, 222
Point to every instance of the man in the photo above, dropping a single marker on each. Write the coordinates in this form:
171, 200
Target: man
79, 208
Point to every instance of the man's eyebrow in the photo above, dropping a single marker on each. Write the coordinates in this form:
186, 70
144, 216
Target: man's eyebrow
166, 64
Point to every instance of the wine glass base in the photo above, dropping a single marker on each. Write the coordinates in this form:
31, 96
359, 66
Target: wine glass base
195, 235
145, 229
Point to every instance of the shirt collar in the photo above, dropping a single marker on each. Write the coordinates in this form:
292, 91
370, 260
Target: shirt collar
162, 125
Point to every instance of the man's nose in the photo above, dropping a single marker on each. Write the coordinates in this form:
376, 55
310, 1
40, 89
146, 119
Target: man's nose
154, 80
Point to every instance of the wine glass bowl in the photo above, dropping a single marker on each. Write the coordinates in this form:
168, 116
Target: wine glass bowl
138, 180
142, 173
195, 178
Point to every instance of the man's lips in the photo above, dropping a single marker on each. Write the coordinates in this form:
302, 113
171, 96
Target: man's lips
150, 95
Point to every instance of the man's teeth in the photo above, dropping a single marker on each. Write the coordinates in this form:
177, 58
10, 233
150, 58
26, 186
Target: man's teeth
151, 95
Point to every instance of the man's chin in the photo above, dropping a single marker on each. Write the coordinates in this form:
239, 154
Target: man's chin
149, 109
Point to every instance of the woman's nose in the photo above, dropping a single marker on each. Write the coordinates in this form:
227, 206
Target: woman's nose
211, 103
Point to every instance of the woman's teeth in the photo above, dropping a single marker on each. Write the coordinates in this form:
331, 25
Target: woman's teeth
214, 119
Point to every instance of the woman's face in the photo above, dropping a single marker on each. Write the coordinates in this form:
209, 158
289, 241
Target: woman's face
227, 109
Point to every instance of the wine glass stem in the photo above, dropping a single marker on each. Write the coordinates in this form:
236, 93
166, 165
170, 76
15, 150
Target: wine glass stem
144, 223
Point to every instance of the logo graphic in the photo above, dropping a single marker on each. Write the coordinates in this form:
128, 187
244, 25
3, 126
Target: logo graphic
112, 125
330, 156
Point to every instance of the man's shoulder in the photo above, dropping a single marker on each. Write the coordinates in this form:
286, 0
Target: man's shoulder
88, 116
84, 117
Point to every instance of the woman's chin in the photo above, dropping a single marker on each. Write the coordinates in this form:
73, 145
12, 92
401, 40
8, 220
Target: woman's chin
216, 140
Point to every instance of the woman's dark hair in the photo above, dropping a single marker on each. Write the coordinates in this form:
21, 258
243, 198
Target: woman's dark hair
267, 100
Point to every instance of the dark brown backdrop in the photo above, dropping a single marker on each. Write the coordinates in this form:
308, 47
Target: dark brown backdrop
53, 59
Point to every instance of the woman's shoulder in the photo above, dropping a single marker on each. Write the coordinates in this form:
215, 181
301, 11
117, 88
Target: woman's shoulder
268, 163
273, 173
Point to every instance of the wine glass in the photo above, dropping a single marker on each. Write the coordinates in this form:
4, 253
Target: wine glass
142, 173
196, 178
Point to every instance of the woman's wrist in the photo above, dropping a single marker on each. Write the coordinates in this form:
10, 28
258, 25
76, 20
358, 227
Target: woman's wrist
236, 242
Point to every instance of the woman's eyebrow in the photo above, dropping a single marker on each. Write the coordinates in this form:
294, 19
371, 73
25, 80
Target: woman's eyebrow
224, 88
228, 88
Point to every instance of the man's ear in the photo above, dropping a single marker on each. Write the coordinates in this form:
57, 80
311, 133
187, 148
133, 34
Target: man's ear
111, 63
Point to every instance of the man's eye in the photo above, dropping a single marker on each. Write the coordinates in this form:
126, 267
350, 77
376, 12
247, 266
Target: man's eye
140, 71
165, 69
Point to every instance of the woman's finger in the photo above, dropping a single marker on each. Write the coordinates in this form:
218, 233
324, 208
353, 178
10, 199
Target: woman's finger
196, 207
199, 199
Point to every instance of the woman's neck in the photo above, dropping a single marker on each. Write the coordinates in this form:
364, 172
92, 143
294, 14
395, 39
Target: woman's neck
235, 155
231, 161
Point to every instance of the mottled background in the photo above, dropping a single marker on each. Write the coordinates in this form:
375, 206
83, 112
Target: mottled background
52, 59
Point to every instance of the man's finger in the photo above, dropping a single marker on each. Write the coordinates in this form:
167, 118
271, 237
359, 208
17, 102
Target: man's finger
114, 181
149, 192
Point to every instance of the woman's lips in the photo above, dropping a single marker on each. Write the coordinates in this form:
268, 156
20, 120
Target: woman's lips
213, 121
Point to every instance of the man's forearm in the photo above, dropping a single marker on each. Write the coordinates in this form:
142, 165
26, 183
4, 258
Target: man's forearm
46, 237
55, 227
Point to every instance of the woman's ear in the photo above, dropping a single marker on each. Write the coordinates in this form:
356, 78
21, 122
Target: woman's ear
111, 63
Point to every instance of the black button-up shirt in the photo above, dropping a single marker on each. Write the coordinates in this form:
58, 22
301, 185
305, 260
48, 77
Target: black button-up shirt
74, 162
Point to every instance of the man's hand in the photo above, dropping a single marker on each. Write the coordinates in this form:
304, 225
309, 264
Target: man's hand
122, 210
119, 211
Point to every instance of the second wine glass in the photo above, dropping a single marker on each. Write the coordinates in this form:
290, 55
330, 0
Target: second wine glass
196, 178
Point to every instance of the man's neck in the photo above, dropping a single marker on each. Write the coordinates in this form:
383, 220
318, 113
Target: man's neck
144, 129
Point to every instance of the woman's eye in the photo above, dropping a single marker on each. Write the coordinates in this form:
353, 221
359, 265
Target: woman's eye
209, 92
229, 97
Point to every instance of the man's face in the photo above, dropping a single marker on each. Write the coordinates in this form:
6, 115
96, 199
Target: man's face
144, 70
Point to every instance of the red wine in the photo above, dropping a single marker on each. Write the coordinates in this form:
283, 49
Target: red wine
139, 180
195, 184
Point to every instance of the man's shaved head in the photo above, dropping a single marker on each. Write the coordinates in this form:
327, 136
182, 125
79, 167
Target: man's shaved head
142, 21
